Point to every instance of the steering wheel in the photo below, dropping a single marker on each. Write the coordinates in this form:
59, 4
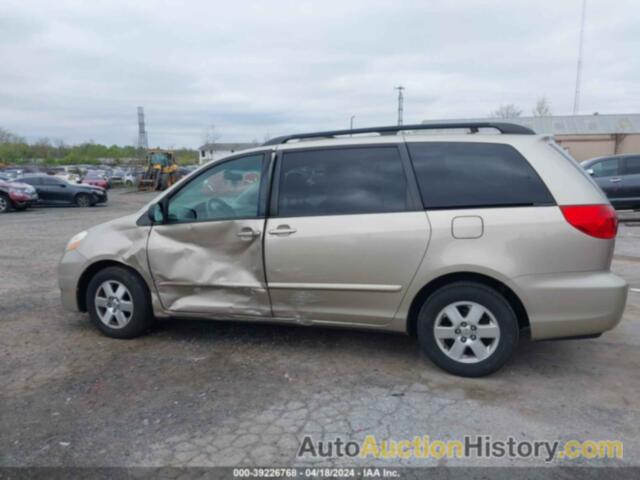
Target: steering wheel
218, 206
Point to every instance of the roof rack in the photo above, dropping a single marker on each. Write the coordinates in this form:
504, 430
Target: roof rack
505, 128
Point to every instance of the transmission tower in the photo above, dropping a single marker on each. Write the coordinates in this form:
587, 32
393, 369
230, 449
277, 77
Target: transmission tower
400, 88
142, 132
576, 98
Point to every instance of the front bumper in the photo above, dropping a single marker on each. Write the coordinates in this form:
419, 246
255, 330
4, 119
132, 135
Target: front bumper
572, 304
69, 271
100, 197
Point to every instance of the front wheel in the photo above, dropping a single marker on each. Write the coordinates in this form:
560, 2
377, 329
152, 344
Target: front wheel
468, 329
83, 200
118, 303
5, 204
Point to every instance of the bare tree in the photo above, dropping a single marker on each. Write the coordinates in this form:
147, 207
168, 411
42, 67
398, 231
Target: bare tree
506, 111
7, 137
542, 108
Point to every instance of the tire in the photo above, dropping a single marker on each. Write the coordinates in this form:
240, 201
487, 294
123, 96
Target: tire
5, 203
128, 317
83, 200
478, 339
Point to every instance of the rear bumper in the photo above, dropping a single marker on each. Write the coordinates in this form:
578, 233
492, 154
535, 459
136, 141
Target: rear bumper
572, 304
24, 199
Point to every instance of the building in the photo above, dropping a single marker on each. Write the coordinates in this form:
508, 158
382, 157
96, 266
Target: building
584, 136
214, 151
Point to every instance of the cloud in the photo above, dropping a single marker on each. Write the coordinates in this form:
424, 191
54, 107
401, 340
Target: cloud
77, 70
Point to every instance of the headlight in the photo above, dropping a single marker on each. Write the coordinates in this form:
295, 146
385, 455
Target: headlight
75, 241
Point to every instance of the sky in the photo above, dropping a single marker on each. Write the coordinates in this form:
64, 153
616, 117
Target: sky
77, 70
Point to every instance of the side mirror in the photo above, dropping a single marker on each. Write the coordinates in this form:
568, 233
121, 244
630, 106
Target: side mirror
590, 171
156, 214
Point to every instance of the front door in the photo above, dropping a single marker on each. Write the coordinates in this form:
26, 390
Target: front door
630, 184
207, 257
53, 190
606, 173
346, 236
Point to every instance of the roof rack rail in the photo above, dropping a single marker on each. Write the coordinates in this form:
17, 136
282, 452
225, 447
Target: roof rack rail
502, 127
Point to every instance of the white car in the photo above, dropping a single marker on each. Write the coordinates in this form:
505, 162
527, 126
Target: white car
68, 177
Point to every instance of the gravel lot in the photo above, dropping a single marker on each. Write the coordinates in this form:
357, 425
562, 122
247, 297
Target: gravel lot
220, 393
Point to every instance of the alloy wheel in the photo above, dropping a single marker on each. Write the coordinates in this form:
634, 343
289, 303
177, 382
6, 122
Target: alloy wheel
114, 304
83, 201
466, 332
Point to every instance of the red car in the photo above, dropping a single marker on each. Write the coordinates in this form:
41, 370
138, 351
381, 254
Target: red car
96, 180
16, 195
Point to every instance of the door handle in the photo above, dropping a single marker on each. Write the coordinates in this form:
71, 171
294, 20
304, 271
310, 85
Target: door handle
248, 232
615, 180
282, 230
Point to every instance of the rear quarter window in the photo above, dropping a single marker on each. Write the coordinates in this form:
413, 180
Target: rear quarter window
471, 175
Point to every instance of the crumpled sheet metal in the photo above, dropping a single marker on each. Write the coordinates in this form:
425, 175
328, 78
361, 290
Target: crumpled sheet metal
206, 268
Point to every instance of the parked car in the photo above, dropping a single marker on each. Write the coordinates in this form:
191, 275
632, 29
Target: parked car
130, 179
116, 177
16, 195
55, 191
96, 179
468, 242
68, 177
12, 173
619, 178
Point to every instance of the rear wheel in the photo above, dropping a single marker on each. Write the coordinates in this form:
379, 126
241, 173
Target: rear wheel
118, 303
467, 329
83, 200
5, 204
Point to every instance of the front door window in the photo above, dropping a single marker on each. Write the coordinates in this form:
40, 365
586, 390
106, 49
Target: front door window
228, 191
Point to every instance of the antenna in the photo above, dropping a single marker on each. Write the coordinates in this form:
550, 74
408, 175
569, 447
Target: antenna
400, 88
142, 132
576, 98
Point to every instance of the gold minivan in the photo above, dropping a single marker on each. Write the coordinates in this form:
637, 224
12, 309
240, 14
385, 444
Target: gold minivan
468, 240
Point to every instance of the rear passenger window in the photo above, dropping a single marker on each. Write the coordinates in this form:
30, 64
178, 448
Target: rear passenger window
465, 174
632, 165
342, 181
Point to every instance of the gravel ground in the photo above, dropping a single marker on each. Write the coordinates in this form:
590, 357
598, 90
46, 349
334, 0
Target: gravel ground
221, 393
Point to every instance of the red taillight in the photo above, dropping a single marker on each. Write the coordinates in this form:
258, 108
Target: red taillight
599, 221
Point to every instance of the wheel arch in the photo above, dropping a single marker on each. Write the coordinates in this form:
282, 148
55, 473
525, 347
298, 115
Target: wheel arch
427, 290
93, 269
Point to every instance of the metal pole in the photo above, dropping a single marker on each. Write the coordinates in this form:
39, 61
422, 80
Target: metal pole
400, 88
351, 122
576, 98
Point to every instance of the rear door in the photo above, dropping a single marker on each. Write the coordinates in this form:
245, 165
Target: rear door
607, 174
345, 235
630, 184
36, 183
